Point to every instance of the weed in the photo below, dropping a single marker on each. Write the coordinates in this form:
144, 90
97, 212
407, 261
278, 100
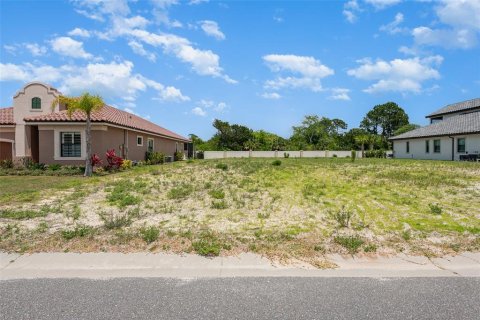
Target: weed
22, 214
370, 248
150, 234
319, 248
406, 235
222, 166
180, 192
116, 222
217, 194
265, 215
351, 243
207, 244
435, 208
276, 163
343, 217
221, 204
79, 231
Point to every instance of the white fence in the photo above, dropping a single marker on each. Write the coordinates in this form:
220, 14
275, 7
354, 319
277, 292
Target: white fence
278, 154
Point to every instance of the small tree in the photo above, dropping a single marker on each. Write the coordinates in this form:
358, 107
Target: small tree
362, 140
87, 104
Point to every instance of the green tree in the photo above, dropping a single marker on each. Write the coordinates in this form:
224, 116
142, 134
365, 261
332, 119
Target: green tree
406, 128
362, 140
231, 137
87, 104
384, 119
317, 133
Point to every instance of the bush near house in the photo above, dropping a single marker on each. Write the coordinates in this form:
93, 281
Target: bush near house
179, 156
154, 157
376, 154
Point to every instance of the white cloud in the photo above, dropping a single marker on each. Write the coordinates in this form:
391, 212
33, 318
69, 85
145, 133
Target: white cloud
401, 75
212, 29
204, 62
97, 9
462, 26
340, 94
12, 72
271, 95
350, 9
193, 2
111, 80
460, 13
79, 32
448, 38
209, 104
140, 50
382, 4
35, 49
394, 26
199, 112
66, 46
308, 70
12, 49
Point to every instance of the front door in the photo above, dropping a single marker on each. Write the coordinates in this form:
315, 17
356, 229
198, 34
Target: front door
5, 150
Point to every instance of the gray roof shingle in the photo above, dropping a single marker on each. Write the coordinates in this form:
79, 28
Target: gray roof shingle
456, 107
461, 124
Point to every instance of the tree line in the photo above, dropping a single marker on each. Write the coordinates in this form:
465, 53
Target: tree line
313, 133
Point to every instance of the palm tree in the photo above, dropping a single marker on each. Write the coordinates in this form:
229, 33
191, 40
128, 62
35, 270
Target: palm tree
87, 104
362, 140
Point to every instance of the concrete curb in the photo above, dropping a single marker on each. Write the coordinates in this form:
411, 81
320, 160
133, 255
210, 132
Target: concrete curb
115, 265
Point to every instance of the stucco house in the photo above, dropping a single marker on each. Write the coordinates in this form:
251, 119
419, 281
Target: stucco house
30, 128
453, 133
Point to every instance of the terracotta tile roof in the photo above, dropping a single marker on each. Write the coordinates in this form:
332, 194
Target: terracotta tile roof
461, 124
6, 116
108, 115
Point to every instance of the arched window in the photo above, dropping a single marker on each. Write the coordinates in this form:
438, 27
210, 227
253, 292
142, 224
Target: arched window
36, 103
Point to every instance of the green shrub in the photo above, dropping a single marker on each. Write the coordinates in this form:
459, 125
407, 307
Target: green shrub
154, 157
435, 208
126, 164
353, 155
375, 154
370, 248
217, 194
54, 167
343, 217
351, 243
180, 192
222, 166
207, 244
178, 156
79, 231
6, 164
116, 222
286, 155
22, 214
150, 234
276, 163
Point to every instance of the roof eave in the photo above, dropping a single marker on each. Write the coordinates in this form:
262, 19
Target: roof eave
436, 135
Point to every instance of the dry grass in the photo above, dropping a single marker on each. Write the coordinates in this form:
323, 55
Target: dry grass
300, 209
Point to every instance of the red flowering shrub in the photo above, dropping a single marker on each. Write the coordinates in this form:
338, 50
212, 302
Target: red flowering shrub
95, 160
114, 161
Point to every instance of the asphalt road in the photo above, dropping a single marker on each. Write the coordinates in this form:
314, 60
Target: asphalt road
241, 298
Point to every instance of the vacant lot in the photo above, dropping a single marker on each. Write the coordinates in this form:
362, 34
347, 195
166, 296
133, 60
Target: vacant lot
296, 209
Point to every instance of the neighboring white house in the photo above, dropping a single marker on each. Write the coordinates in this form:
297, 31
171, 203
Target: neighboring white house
454, 131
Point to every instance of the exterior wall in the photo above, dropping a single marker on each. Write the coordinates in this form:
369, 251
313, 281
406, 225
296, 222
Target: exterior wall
103, 138
278, 154
22, 107
417, 148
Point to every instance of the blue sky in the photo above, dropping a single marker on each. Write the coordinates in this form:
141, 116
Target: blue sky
264, 64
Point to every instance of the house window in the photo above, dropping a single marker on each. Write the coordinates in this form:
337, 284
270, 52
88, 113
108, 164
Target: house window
427, 146
71, 144
408, 146
185, 147
36, 103
436, 146
139, 141
461, 145
150, 145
